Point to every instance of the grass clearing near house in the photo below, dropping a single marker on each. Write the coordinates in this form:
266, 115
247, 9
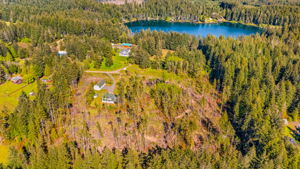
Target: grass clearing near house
10, 92
4, 152
154, 73
118, 63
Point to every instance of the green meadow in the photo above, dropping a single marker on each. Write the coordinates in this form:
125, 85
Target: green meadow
4, 152
118, 63
10, 92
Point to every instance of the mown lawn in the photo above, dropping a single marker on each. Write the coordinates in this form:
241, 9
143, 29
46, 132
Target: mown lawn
10, 92
118, 63
4, 152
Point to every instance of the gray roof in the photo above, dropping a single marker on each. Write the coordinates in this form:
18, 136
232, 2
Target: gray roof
125, 52
109, 97
101, 83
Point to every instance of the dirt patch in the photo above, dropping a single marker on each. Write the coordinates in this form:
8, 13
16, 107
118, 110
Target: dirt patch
122, 2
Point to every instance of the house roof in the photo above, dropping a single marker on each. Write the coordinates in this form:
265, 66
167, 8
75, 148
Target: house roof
101, 83
109, 96
16, 78
126, 44
62, 52
125, 52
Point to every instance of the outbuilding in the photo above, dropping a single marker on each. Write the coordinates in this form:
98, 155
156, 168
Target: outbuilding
62, 53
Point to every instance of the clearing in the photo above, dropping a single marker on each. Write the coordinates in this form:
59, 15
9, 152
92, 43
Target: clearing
10, 92
118, 63
4, 152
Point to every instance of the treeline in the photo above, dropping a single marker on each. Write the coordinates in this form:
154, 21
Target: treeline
275, 14
271, 15
76, 18
69, 156
259, 80
172, 10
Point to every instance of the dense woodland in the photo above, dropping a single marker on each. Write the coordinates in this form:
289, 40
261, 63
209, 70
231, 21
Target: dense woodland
236, 91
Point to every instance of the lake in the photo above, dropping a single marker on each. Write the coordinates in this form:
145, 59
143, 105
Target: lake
225, 28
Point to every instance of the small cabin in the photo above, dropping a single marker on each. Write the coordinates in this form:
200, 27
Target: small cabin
125, 52
99, 85
62, 53
17, 80
109, 98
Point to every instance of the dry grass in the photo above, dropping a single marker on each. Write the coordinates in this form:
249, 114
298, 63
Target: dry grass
4, 152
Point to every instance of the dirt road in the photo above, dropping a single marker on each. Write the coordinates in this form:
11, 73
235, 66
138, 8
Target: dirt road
111, 88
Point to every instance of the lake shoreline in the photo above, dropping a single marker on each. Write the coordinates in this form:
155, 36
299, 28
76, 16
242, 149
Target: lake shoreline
197, 29
213, 21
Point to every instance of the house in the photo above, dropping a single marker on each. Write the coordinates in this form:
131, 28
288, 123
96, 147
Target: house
99, 85
127, 45
17, 80
62, 53
109, 98
125, 52
46, 81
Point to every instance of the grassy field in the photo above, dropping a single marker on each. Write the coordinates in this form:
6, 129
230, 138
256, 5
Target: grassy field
4, 152
118, 63
10, 92
153, 73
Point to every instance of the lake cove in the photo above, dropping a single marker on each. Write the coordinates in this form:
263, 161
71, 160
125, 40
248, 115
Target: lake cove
225, 28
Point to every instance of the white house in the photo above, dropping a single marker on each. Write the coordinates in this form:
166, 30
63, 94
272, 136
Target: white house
99, 85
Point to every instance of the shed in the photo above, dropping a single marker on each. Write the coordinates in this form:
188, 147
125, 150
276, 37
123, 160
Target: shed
62, 53
109, 98
99, 85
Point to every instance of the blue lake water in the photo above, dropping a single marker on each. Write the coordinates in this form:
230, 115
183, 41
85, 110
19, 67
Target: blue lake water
226, 29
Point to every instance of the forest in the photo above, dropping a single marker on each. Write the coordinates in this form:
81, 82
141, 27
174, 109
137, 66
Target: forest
183, 101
